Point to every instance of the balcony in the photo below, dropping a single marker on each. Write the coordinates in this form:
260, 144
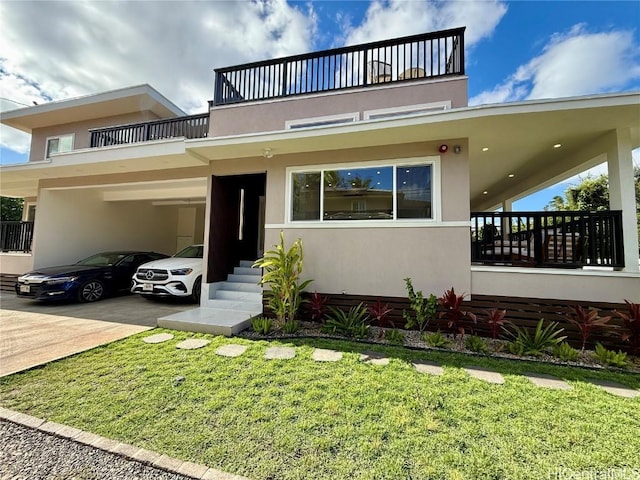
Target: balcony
16, 236
418, 57
547, 239
193, 126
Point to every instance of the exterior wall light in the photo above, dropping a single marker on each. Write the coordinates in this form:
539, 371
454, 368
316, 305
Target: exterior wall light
267, 153
457, 149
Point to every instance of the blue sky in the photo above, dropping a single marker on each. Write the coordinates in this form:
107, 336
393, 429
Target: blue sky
515, 50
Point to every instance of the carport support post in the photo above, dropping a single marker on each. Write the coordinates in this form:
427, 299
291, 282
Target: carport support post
507, 206
622, 193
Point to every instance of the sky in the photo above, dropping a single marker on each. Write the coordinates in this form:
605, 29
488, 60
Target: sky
520, 50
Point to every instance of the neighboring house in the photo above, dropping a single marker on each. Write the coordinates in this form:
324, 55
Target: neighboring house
392, 115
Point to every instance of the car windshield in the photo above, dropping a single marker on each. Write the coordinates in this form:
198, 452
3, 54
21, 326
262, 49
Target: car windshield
102, 259
194, 251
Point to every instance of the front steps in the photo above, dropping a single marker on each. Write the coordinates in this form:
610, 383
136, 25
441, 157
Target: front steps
229, 308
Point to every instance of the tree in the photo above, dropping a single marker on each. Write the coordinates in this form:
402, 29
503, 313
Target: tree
11, 209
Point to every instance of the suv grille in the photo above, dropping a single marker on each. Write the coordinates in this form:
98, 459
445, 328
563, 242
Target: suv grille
152, 274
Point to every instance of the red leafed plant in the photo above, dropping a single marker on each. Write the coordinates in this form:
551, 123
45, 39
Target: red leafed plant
632, 326
496, 321
380, 312
317, 305
456, 317
587, 321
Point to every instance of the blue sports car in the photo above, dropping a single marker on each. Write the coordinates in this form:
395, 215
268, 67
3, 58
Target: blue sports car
88, 280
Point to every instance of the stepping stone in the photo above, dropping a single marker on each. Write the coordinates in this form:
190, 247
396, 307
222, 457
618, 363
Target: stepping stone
193, 343
614, 388
279, 353
322, 355
231, 350
547, 381
485, 375
422, 366
157, 338
374, 358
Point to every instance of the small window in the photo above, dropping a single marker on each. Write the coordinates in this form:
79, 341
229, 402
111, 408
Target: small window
63, 143
306, 196
413, 191
322, 121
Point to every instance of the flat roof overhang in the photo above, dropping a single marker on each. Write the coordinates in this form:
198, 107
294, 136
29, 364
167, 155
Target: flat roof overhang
107, 104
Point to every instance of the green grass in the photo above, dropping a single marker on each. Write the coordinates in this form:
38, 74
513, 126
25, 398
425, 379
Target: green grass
299, 419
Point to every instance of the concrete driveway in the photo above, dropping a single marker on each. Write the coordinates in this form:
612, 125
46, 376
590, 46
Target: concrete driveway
33, 333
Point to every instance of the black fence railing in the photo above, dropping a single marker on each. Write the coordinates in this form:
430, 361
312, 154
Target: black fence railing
548, 239
428, 55
16, 236
192, 126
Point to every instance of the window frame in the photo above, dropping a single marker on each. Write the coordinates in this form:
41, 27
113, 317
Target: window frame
324, 121
47, 154
436, 204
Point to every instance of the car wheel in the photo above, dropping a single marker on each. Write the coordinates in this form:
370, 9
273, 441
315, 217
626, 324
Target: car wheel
91, 291
195, 292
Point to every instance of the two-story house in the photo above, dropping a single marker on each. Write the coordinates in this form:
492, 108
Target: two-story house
370, 154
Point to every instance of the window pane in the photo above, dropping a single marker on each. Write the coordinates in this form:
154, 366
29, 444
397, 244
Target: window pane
358, 194
413, 190
66, 143
305, 199
52, 146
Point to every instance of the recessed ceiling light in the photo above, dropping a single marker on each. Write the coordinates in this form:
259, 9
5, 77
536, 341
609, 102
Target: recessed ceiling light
557, 145
485, 192
511, 175
485, 149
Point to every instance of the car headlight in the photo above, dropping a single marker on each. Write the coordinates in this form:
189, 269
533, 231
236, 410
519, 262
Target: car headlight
182, 271
59, 280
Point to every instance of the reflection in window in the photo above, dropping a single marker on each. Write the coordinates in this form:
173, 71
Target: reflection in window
413, 191
306, 196
358, 194
63, 143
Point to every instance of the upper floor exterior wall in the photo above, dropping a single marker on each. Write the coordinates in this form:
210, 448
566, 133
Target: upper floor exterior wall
80, 131
346, 105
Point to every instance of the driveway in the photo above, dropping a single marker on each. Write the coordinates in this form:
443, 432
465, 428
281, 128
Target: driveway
34, 333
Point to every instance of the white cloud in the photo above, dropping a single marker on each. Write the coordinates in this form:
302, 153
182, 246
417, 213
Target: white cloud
397, 18
573, 63
60, 50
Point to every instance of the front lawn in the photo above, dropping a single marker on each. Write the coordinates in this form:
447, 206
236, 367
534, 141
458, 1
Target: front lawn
299, 419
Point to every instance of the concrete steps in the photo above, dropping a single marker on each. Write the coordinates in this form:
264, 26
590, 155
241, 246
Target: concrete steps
229, 308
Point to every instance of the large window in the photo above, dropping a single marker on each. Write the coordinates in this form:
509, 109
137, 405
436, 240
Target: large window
60, 144
378, 192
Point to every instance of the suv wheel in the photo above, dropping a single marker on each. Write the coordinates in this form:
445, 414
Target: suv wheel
195, 292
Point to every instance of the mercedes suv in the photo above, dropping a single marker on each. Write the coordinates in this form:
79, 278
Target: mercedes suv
177, 276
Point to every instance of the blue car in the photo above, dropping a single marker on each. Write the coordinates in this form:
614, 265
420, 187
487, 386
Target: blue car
88, 280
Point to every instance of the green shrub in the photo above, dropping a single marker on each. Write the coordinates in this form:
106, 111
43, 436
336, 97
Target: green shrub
436, 339
282, 274
395, 336
476, 344
516, 347
540, 342
424, 310
565, 352
351, 324
291, 327
610, 357
262, 325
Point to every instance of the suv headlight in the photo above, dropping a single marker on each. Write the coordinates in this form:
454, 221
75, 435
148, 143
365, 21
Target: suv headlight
182, 271
59, 280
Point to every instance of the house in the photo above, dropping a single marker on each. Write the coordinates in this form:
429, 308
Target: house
370, 154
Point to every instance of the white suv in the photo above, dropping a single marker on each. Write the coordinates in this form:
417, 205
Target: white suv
177, 276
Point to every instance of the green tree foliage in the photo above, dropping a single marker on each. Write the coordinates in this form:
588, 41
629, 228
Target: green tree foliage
11, 209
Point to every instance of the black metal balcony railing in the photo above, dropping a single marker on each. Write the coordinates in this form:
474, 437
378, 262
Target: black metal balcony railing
192, 126
16, 236
548, 239
429, 55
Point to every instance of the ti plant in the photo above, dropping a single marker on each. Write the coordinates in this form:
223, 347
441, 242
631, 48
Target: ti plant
317, 305
456, 318
587, 321
424, 309
496, 321
631, 321
283, 274
379, 313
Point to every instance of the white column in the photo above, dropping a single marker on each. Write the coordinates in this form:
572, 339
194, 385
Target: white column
507, 206
622, 193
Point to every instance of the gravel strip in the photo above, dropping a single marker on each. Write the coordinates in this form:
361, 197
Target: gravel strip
33, 455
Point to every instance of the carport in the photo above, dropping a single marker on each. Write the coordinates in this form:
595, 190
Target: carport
34, 333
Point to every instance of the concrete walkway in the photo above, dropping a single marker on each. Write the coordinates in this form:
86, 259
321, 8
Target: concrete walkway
33, 333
